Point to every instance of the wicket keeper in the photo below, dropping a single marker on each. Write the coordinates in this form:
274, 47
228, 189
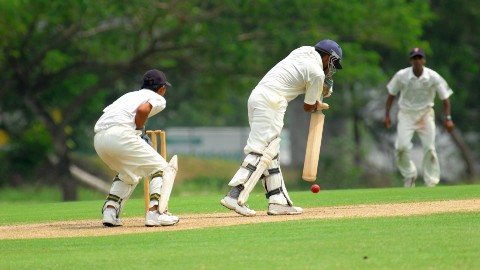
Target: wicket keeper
122, 143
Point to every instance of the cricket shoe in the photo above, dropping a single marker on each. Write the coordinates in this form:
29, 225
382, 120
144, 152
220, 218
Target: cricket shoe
280, 209
110, 218
409, 182
232, 204
171, 215
429, 184
155, 219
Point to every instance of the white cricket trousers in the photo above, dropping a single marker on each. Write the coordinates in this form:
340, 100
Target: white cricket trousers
266, 110
122, 149
423, 123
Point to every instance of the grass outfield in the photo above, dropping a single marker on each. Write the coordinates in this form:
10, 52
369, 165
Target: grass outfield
438, 241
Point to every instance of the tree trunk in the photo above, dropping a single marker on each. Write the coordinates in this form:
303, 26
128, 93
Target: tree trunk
357, 159
67, 182
62, 165
466, 154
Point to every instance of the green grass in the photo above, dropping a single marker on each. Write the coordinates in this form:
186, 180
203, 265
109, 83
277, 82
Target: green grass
440, 241
13, 212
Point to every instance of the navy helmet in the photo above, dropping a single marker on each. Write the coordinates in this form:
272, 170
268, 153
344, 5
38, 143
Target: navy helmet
331, 48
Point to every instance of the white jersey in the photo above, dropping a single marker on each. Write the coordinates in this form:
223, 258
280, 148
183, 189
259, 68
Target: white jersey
418, 93
122, 112
301, 72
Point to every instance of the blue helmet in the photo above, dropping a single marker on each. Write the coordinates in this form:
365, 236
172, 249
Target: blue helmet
333, 49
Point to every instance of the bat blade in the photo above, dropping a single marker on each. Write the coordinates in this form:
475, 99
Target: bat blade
314, 142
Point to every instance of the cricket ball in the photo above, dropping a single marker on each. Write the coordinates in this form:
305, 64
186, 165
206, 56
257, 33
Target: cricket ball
315, 188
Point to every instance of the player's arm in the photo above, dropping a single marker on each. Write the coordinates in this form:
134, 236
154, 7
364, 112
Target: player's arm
142, 114
448, 118
140, 118
314, 91
388, 106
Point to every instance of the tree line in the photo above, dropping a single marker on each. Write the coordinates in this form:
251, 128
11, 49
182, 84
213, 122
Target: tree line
62, 62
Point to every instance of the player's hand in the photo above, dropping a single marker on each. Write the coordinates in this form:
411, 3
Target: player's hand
327, 87
387, 122
321, 106
145, 137
449, 125
327, 92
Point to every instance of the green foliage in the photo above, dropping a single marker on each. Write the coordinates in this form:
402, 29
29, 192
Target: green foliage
26, 152
62, 62
454, 54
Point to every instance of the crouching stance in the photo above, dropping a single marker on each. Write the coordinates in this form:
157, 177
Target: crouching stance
304, 71
121, 142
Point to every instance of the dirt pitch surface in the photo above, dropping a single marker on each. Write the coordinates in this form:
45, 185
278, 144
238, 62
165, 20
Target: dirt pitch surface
82, 228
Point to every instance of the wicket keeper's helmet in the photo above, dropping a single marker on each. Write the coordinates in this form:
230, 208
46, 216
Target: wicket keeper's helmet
333, 49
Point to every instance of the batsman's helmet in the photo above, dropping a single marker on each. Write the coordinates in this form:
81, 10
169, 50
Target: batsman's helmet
333, 49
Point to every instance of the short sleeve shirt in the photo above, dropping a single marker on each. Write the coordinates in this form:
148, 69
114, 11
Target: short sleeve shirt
301, 72
123, 110
418, 93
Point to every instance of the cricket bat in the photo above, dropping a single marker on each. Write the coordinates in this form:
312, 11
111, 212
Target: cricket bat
314, 142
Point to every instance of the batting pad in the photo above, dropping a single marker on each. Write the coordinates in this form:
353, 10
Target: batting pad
267, 156
168, 178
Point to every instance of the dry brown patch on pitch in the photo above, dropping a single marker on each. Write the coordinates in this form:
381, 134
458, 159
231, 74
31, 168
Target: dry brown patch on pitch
81, 228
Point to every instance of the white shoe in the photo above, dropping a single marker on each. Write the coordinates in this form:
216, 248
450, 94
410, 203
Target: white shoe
409, 182
155, 219
430, 184
171, 215
232, 204
110, 218
279, 209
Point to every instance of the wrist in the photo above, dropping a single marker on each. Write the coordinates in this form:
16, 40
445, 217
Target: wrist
448, 117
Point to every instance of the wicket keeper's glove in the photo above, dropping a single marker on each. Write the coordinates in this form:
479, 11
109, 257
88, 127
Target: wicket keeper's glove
145, 137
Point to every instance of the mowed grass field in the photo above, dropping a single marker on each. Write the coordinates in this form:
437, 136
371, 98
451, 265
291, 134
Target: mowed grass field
435, 241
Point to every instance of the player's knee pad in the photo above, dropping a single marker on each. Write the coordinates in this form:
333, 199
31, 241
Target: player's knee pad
274, 185
248, 166
256, 171
119, 194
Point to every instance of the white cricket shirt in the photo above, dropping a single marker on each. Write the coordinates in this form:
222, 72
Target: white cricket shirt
418, 93
122, 112
301, 72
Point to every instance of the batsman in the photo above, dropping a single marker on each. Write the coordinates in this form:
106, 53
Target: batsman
308, 71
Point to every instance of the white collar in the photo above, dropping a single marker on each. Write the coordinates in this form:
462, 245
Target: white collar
425, 74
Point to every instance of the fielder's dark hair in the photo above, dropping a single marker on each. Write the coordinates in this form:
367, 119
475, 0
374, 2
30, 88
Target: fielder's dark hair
153, 87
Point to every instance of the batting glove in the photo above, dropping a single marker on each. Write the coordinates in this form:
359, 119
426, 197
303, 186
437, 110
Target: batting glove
145, 137
327, 87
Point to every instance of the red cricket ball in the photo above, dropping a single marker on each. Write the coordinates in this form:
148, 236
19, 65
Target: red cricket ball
315, 188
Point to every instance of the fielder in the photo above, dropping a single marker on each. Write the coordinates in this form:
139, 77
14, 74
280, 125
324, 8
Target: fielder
303, 71
418, 86
121, 142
